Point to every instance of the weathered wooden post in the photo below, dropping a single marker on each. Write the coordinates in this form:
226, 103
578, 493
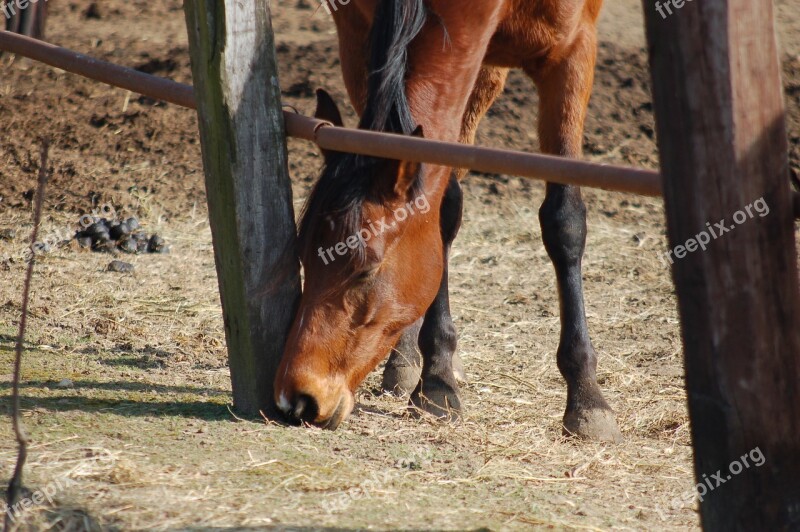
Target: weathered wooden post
722, 141
248, 188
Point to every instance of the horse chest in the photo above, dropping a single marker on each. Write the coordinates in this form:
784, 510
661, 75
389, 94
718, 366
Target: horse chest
537, 28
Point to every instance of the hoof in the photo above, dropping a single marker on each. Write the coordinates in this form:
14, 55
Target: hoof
400, 380
597, 424
438, 399
458, 369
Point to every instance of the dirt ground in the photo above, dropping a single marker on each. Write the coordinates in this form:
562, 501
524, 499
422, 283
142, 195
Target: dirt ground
140, 436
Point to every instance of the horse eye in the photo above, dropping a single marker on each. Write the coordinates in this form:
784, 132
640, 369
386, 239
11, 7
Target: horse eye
367, 274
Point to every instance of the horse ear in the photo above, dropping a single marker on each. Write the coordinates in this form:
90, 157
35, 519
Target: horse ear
327, 109
408, 171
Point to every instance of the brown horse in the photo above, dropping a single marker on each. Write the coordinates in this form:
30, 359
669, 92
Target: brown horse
374, 265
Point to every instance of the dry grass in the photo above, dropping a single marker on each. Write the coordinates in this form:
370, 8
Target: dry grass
146, 355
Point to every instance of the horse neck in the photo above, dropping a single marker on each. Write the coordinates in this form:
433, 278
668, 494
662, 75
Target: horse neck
444, 65
438, 105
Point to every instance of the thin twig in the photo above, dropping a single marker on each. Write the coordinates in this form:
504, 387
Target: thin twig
15, 485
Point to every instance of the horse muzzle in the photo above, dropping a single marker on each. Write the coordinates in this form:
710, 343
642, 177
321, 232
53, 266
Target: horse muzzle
304, 408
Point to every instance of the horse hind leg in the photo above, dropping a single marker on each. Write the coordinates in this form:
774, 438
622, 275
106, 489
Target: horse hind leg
564, 89
404, 367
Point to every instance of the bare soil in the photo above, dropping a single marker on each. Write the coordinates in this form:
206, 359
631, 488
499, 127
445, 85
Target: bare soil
142, 427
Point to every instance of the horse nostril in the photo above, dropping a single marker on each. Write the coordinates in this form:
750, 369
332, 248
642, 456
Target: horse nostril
305, 408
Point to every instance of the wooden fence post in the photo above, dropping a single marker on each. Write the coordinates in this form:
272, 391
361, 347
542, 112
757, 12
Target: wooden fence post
723, 150
248, 188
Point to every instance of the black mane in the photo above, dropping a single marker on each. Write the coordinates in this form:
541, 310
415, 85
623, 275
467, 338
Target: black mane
346, 179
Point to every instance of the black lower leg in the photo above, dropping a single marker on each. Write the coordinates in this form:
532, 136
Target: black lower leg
437, 391
563, 221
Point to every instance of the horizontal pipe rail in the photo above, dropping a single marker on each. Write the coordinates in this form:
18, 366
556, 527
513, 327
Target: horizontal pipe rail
390, 146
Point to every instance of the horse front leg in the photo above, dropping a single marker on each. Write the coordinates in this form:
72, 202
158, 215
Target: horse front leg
564, 89
437, 389
404, 367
